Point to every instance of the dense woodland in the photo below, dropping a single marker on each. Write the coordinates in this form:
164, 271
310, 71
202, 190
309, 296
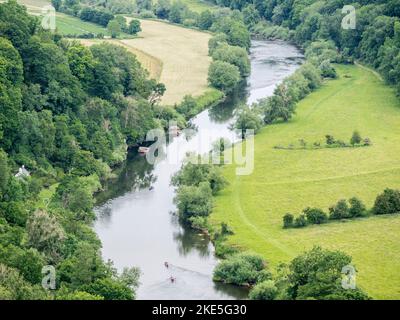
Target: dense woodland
68, 114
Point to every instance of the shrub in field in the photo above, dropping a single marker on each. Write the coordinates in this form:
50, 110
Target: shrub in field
357, 208
315, 215
300, 221
330, 139
355, 138
327, 70
288, 220
339, 211
387, 202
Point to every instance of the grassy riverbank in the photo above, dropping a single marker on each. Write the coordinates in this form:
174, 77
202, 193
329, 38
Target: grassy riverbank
290, 180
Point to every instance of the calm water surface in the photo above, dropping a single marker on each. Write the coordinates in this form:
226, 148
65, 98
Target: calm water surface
136, 223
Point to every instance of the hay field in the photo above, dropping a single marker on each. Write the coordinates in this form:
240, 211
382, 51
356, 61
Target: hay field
176, 56
184, 55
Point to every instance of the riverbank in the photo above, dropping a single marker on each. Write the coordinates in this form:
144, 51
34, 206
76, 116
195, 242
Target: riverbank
136, 222
253, 206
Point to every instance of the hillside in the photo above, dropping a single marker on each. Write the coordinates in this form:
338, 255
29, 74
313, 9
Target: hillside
181, 53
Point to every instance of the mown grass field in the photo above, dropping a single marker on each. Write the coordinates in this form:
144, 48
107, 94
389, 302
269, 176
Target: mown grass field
183, 53
290, 180
199, 5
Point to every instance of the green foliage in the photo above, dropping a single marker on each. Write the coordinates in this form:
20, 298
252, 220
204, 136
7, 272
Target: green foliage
317, 274
242, 269
265, 290
387, 202
192, 174
194, 200
250, 16
235, 29
205, 20
339, 211
315, 215
134, 27
247, 119
176, 12
300, 221
114, 28
216, 41
234, 55
96, 16
223, 76
355, 138
110, 289
4, 172
288, 220
357, 208
14, 287
45, 234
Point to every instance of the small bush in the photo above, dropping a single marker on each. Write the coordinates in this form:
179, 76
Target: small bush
367, 142
288, 220
339, 211
225, 229
387, 202
330, 139
357, 208
300, 221
355, 138
241, 269
315, 215
265, 290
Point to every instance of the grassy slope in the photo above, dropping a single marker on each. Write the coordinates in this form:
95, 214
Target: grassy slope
176, 56
184, 55
66, 24
288, 181
199, 5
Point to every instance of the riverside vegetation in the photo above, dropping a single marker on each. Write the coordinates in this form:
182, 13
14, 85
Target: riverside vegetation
237, 220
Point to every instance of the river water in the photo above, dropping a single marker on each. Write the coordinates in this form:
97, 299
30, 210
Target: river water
136, 222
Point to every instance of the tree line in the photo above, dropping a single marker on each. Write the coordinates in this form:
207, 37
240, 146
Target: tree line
314, 274
387, 202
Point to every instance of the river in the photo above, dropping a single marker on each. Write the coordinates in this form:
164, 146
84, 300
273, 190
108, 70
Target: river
136, 222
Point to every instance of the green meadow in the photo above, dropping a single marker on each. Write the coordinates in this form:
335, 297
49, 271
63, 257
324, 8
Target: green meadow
199, 5
71, 25
290, 180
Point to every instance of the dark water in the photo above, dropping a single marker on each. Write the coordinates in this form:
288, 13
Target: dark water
136, 223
